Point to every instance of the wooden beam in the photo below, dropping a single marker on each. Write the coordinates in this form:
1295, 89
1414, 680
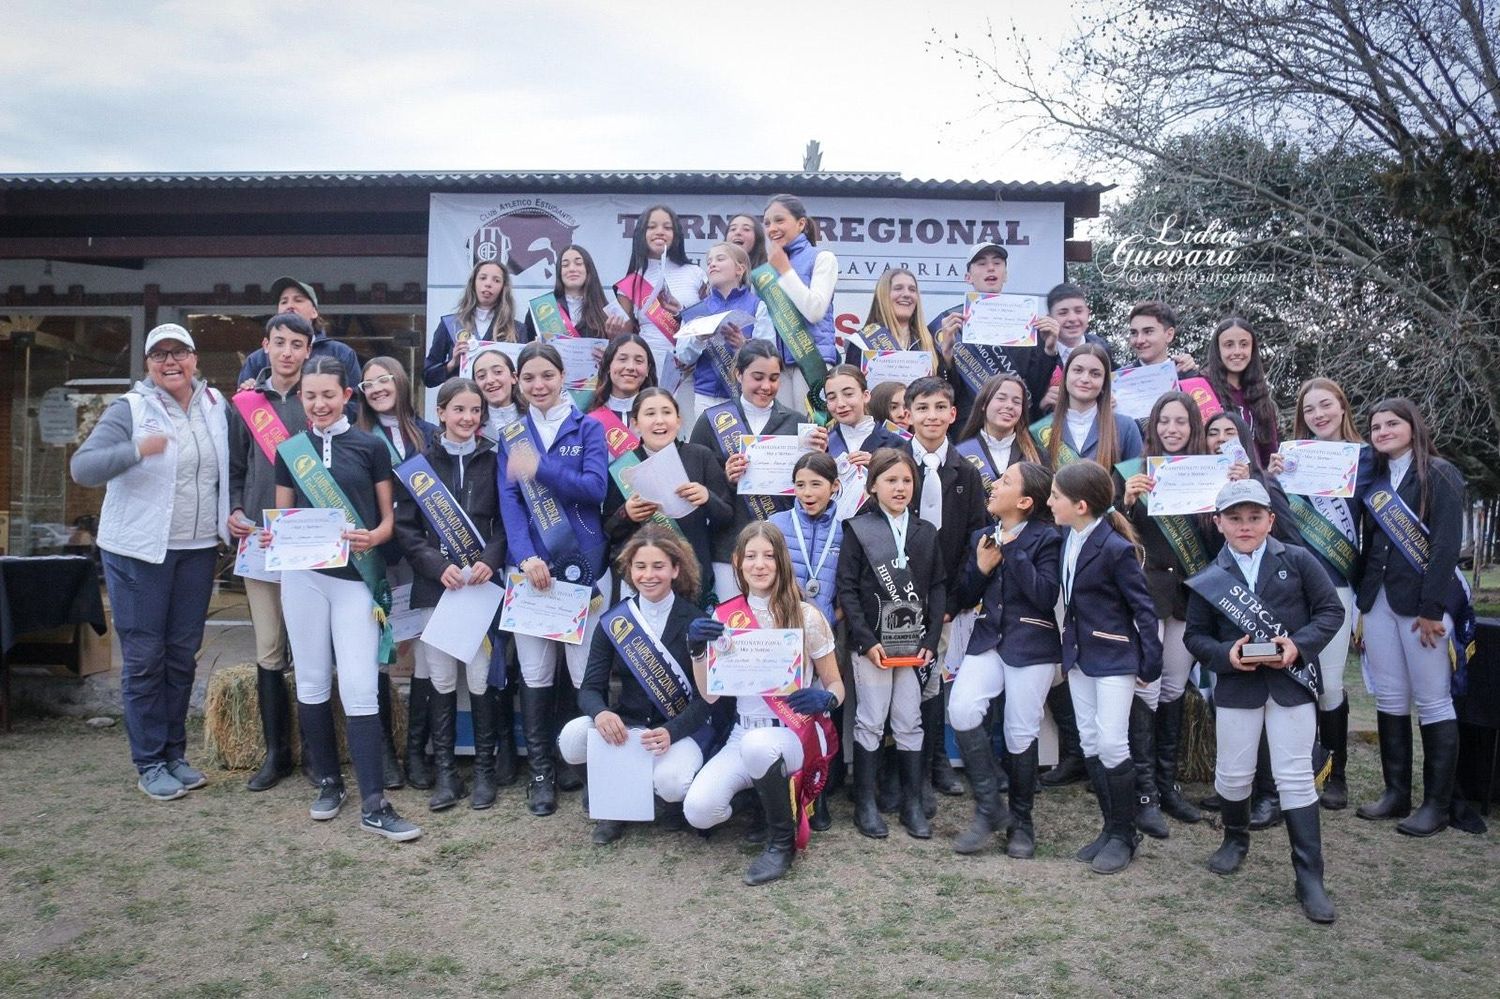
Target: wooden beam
1078, 251
91, 248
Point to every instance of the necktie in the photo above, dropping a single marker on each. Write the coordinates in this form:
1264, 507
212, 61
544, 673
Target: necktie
932, 492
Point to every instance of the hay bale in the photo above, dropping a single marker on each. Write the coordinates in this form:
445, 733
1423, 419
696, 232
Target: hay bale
232, 738
1197, 751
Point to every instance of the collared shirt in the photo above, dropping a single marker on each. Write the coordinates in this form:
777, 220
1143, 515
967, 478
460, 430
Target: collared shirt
919, 452
856, 435
899, 527
654, 615
999, 449
1079, 422
1250, 564
550, 422
392, 424
1071, 547
1399, 467
755, 416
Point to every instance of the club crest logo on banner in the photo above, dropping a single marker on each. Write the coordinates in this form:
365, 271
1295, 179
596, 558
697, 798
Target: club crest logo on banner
522, 236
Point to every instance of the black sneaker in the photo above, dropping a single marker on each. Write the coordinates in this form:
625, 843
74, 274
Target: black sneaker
331, 795
385, 822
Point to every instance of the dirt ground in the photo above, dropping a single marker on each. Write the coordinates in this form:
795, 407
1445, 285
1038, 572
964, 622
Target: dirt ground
227, 893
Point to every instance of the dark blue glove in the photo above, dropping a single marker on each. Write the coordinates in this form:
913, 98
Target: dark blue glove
811, 702
702, 631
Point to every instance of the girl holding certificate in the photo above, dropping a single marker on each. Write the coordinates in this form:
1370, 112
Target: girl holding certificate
552, 469
1012, 572
1085, 424
1109, 648
659, 283
746, 232
1322, 413
1238, 377
495, 374
896, 314
1175, 547
579, 294
996, 436
1411, 599
486, 311
754, 411
336, 616
658, 424
805, 278
713, 356
658, 698
627, 367
853, 431
463, 464
774, 738
893, 590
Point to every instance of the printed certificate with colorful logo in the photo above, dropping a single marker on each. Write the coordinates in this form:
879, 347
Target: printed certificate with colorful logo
745, 662
306, 538
1319, 468
558, 612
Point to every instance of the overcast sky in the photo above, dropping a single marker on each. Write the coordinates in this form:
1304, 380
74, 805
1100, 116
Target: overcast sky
261, 85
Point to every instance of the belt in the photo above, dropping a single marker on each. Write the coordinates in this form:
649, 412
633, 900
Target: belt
759, 721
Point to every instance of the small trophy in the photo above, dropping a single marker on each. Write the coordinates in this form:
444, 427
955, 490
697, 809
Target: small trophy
901, 627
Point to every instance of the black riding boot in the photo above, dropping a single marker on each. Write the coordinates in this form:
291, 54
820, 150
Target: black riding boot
276, 725
449, 787
781, 827
1231, 853
1302, 829
418, 729
482, 710
867, 817
1142, 736
888, 781
1022, 843
1333, 733
1395, 766
536, 719
1265, 803
1100, 782
503, 704
913, 775
935, 744
1070, 767
1168, 745
821, 819
391, 778
990, 814
1439, 767
1119, 849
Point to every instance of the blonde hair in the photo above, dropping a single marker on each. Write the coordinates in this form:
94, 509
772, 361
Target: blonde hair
884, 313
738, 255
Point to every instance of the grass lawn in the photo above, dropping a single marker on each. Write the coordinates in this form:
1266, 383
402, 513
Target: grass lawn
228, 893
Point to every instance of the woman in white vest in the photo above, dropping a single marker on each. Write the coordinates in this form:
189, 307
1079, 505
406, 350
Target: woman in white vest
162, 453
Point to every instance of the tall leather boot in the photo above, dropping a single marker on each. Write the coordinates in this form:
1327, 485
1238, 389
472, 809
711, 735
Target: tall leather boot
821, 819
448, 787
1231, 853
536, 720
276, 725
867, 818
1265, 803
418, 730
1395, 766
1439, 767
1142, 736
1100, 783
1302, 829
990, 814
482, 710
503, 704
935, 744
1333, 733
888, 781
995, 725
1168, 741
774, 791
565, 709
913, 776
1070, 767
1022, 843
391, 778
1119, 849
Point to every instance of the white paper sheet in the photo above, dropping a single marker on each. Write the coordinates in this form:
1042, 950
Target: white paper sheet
620, 779
250, 560
656, 480
1135, 390
580, 369
1001, 320
772, 458
461, 618
306, 538
405, 622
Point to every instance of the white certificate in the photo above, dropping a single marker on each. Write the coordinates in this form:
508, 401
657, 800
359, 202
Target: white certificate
580, 368
405, 622
306, 538
559, 612
1001, 320
510, 350
250, 560
745, 662
1319, 468
621, 786
707, 326
1186, 483
852, 495
901, 366
656, 480
772, 457
461, 618
1135, 390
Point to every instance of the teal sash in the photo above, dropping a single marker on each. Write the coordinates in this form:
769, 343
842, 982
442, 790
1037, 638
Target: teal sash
792, 328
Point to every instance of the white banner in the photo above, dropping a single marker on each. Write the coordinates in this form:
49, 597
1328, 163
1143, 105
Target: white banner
931, 237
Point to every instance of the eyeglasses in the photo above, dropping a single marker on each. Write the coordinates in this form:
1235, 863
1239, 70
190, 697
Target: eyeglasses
365, 386
179, 355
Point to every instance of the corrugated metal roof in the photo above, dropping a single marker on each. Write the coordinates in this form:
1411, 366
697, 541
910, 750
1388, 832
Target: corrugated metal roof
829, 182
